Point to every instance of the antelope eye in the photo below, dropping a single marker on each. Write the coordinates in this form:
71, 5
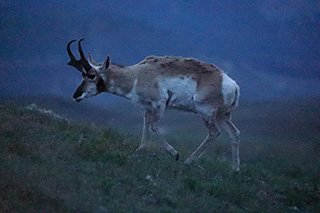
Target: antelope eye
91, 76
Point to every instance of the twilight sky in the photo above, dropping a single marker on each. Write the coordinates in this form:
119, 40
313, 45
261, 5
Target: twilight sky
270, 47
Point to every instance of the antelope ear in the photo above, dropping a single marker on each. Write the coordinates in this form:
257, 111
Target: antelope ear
106, 63
91, 60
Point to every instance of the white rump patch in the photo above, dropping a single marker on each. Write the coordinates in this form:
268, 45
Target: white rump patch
229, 88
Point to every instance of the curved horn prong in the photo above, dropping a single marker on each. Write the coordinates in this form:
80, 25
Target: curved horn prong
69, 50
83, 60
80, 49
73, 61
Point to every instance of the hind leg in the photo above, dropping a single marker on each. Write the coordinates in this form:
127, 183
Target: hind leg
234, 135
213, 133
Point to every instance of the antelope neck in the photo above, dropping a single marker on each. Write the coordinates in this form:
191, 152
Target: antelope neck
119, 80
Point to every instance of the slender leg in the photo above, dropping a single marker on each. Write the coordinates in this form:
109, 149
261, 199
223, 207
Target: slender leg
145, 132
213, 133
234, 135
154, 118
167, 146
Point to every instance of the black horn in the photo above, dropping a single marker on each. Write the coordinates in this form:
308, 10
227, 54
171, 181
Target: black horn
73, 61
83, 60
72, 58
78, 64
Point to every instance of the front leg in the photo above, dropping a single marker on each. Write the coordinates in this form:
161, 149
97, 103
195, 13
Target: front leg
166, 145
154, 117
151, 119
145, 132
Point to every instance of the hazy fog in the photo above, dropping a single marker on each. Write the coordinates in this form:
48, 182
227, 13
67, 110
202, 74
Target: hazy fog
271, 48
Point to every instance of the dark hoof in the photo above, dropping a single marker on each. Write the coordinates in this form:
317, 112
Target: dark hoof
177, 157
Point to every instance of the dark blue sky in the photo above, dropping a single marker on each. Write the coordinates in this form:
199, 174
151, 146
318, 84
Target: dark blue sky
271, 48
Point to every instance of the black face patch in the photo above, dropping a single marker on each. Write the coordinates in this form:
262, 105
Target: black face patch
100, 85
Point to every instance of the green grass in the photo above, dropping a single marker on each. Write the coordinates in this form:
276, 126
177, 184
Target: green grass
51, 165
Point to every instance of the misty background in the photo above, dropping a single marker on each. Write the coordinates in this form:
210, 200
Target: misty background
271, 48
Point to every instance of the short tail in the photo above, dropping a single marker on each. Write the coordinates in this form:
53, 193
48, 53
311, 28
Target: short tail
236, 98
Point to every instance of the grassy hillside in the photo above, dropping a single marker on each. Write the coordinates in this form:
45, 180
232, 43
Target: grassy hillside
50, 164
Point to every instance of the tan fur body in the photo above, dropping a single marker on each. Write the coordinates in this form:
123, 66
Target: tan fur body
153, 69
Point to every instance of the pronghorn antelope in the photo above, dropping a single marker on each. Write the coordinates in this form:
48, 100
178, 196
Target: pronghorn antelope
160, 83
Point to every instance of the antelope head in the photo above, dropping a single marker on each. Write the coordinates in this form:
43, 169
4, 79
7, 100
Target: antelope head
92, 83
